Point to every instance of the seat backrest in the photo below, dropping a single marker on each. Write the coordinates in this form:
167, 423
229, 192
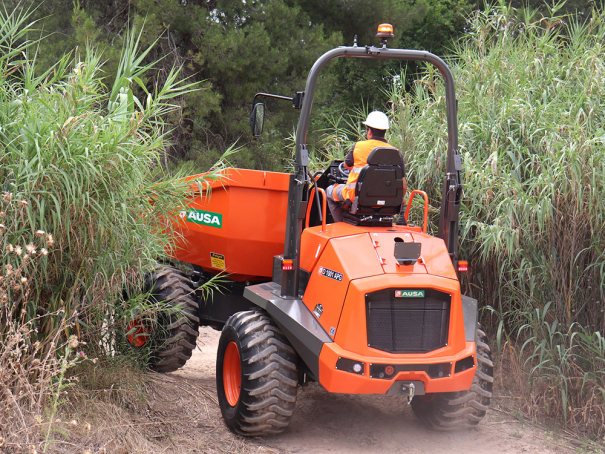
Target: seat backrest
379, 188
380, 183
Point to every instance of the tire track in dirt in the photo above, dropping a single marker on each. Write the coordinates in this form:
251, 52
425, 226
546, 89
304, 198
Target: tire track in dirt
328, 423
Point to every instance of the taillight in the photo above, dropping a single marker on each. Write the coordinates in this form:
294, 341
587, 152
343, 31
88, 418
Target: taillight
462, 266
287, 265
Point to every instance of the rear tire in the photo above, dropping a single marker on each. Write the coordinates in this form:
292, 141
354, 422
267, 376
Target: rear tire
173, 336
462, 409
256, 375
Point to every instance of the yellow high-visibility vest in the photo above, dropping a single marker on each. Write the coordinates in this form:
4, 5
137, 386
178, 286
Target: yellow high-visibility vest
360, 155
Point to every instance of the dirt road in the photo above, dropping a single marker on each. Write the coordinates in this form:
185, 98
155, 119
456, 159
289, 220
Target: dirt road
323, 422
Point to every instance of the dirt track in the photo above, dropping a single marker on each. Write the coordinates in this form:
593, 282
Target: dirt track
325, 423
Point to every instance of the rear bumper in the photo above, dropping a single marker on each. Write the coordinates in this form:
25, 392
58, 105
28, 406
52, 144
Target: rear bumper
406, 368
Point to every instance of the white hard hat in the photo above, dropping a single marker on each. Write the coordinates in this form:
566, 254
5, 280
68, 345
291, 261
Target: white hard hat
377, 120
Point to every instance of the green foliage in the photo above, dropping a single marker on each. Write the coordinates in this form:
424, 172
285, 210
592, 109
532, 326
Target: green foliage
531, 136
580, 10
240, 48
539, 165
565, 369
337, 138
418, 24
81, 216
235, 49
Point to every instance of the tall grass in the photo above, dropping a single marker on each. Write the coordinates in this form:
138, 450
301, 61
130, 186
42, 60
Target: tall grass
535, 173
81, 216
532, 136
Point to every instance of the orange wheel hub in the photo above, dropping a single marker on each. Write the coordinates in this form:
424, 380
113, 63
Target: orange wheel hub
141, 333
232, 374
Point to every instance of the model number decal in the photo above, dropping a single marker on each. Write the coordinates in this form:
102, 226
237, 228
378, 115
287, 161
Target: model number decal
330, 273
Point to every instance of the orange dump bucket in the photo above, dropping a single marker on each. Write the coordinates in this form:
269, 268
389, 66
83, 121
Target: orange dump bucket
238, 226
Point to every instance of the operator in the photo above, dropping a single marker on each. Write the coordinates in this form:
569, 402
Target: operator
338, 195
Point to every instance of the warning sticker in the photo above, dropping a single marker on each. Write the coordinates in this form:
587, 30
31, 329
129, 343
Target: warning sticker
217, 261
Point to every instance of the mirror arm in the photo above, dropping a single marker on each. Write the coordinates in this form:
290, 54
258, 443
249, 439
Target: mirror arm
296, 99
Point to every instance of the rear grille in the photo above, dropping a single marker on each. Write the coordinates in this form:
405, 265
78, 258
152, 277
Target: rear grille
407, 325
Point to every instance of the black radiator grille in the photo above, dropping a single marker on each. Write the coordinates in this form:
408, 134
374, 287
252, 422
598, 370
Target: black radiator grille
410, 324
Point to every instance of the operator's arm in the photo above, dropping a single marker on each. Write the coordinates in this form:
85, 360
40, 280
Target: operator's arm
350, 160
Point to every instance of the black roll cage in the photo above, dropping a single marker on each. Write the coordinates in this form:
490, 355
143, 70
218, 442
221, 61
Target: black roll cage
298, 195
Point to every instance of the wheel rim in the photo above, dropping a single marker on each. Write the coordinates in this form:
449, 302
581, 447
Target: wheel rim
139, 333
232, 374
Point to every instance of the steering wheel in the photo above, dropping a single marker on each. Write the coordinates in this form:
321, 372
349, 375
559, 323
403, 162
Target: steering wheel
343, 170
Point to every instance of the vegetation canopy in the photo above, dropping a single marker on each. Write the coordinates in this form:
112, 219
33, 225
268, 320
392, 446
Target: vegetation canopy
82, 215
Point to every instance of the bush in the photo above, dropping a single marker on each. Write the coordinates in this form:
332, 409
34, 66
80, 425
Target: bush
81, 216
531, 136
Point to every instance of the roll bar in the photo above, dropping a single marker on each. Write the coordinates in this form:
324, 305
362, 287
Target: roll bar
298, 197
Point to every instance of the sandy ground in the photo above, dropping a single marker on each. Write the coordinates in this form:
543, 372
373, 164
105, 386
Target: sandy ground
323, 422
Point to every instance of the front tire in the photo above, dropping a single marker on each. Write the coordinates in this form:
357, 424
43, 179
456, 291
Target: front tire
256, 375
173, 336
463, 409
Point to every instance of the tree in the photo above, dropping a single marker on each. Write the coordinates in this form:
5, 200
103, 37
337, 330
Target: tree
418, 24
238, 48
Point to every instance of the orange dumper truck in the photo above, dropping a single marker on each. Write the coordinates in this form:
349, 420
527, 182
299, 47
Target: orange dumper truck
367, 305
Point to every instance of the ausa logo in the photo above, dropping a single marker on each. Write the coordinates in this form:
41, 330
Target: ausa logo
203, 217
409, 293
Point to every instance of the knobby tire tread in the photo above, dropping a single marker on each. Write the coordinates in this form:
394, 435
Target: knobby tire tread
269, 375
463, 409
176, 338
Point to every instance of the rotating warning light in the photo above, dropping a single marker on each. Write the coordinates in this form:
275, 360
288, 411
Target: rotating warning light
385, 31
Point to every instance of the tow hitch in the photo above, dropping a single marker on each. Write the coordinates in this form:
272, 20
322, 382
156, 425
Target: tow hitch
408, 390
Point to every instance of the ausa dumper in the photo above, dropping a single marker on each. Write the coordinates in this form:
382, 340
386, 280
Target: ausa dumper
366, 306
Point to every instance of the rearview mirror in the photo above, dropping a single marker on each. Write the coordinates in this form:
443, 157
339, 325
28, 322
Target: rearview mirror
257, 119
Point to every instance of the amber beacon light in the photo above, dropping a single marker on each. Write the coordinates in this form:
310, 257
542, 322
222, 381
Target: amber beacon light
385, 31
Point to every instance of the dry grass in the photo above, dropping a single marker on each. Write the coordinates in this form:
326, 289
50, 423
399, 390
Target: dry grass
75, 161
143, 412
116, 408
539, 402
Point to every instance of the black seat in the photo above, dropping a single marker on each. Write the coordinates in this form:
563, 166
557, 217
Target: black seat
379, 190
